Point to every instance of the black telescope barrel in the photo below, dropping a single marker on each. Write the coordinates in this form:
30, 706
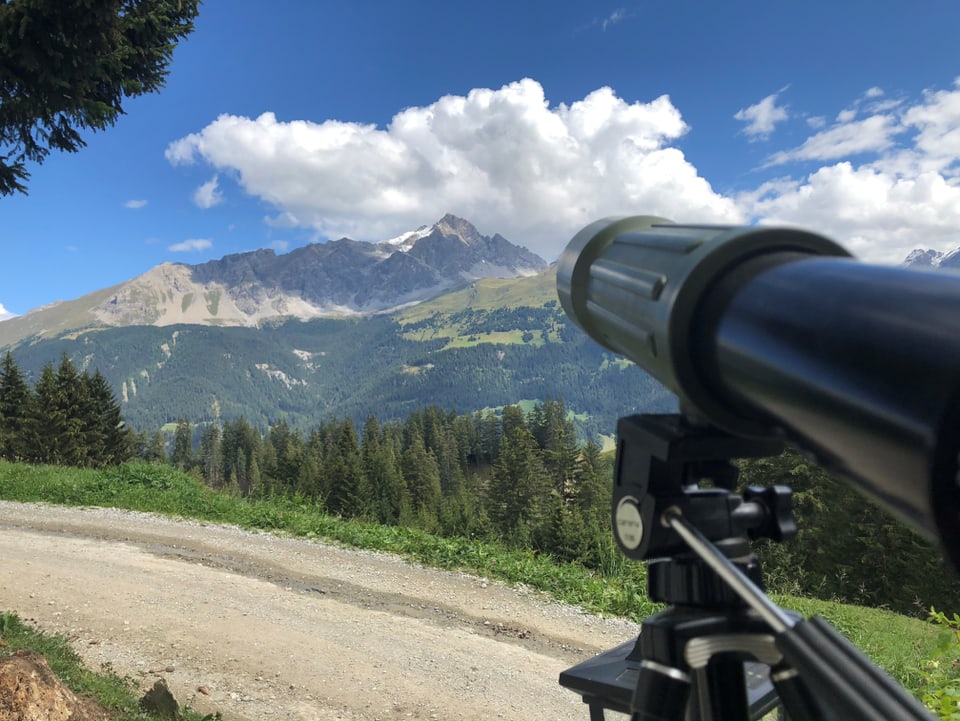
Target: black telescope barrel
774, 331
860, 363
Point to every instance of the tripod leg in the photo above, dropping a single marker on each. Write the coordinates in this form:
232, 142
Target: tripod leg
795, 696
721, 692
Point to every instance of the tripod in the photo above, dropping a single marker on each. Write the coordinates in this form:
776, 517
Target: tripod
721, 650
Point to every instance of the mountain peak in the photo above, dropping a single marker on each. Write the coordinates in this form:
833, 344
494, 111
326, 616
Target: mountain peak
923, 258
450, 224
337, 278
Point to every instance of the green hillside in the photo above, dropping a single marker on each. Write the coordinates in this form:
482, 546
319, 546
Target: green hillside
488, 345
55, 320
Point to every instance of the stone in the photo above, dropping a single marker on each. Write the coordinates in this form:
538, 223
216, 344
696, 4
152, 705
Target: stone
160, 701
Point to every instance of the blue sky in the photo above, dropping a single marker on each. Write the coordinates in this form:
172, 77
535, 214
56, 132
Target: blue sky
295, 121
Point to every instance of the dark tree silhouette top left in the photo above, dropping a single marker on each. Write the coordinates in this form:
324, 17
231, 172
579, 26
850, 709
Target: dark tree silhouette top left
67, 66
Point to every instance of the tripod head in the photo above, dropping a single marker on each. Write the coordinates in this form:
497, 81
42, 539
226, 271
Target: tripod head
721, 649
661, 462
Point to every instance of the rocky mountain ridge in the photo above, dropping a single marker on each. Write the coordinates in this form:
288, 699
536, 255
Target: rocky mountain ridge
335, 279
922, 258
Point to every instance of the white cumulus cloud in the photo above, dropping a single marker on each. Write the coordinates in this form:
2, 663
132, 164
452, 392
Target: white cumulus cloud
208, 194
762, 118
193, 245
902, 193
504, 158
135, 204
5, 314
882, 179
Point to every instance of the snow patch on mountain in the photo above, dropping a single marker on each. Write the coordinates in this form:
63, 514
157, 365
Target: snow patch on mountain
407, 240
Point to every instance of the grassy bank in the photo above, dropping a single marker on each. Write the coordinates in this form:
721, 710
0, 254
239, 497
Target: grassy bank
112, 692
899, 644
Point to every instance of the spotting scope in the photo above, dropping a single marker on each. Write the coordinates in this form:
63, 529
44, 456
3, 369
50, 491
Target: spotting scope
776, 332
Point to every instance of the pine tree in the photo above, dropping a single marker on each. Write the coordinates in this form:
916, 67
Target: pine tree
309, 484
256, 480
15, 400
47, 422
211, 456
422, 476
157, 448
288, 454
511, 419
488, 437
109, 441
557, 439
519, 489
182, 456
594, 484
382, 473
241, 444
141, 445
342, 472
76, 409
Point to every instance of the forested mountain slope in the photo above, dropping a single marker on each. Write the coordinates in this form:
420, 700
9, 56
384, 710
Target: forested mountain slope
493, 343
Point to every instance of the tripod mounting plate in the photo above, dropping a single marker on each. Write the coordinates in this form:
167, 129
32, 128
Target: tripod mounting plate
661, 459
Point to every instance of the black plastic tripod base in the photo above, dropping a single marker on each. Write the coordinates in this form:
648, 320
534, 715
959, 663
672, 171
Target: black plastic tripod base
609, 681
712, 649
661, 693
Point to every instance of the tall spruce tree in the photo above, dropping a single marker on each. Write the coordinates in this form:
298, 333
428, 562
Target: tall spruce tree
47, 422
109, 440
287, 455
422, 476
211, 455
557, 439
519, 492
381, 469
594, 485
182, 456
241, 446
15, 399
157, 448
342, 472
75, 407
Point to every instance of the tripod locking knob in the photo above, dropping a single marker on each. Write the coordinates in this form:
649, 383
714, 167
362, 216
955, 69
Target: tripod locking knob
778, 522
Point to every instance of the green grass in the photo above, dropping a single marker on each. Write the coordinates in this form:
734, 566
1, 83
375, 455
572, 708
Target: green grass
457, 339
897, 643
489, 294
486, 294
113, 692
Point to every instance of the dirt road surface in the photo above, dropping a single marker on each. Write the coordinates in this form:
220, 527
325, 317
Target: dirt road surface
277, 628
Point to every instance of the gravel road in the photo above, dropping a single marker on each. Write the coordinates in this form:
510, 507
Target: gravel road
259, 626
